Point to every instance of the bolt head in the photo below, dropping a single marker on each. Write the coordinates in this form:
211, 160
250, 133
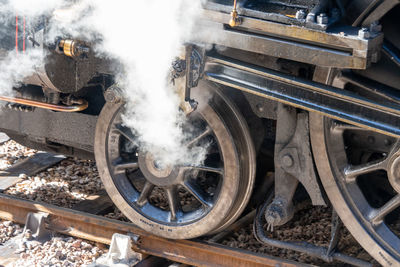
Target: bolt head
371, 139
336, 13
387, 142
301, 14
364, 33
260, 108
375, 27
287, 161
322, 19
310, 18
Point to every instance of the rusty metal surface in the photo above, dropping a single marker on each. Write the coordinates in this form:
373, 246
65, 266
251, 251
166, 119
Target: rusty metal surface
100, 229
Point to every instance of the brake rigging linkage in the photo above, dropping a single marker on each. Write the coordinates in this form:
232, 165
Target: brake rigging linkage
294, 164
327, 254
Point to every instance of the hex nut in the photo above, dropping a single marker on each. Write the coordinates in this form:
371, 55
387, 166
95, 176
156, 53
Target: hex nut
310, 18
322, 19
364, 33
301, 14
335, 13
375, 27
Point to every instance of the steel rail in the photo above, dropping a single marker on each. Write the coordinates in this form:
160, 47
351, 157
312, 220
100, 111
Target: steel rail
99, 229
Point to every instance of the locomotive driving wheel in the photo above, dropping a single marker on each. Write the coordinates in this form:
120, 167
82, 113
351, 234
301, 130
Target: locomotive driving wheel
360, 172
359, 168
180, 202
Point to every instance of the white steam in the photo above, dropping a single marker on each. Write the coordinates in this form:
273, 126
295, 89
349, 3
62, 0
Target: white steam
145, 36
15, 67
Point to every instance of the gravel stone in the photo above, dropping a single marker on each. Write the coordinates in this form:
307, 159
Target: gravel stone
12, 153
59, 251
73, 180
117, 215
65, 184
310, 224
8, 230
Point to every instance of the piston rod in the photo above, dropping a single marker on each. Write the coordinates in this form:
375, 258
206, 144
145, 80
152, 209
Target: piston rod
305, 94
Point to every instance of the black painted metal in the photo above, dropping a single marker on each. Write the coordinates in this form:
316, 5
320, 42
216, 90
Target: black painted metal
65, 133
332, 102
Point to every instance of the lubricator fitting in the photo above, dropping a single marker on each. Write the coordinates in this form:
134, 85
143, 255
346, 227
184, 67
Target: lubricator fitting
72, 48
235, 19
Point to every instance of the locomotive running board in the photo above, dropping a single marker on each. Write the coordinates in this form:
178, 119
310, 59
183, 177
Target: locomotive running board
340, 47
312, 96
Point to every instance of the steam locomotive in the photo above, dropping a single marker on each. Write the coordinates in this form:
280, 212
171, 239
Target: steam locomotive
307, 89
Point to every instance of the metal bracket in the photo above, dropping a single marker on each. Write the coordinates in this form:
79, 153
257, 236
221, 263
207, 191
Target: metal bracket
121, 253
186, 74
36, 228
296, 159
293, 164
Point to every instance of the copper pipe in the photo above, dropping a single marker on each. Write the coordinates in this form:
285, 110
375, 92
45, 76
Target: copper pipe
82, 105
234, 4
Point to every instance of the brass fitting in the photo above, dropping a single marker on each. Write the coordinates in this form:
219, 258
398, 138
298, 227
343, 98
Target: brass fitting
235, 19
68, 47
71, 48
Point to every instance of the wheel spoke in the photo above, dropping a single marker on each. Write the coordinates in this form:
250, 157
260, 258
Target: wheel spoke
122, 167
126, 132
207, 132
395, 148
173, 202
378, 215
352, 172
198, 193
219, 171
342, 126
146, 191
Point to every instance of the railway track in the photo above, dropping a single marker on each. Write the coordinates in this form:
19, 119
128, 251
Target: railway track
89, 226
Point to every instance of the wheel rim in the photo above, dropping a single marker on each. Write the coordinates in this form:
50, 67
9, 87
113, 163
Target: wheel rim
359, 170
137, 179
176, 201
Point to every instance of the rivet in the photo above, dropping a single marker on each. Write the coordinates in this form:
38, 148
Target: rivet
371, 139
287, 160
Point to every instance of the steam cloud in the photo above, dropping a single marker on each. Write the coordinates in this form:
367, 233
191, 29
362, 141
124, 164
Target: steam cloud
14, 66
145, 36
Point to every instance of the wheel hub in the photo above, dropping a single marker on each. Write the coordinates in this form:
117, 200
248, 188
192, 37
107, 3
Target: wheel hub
157, 172
394, 172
